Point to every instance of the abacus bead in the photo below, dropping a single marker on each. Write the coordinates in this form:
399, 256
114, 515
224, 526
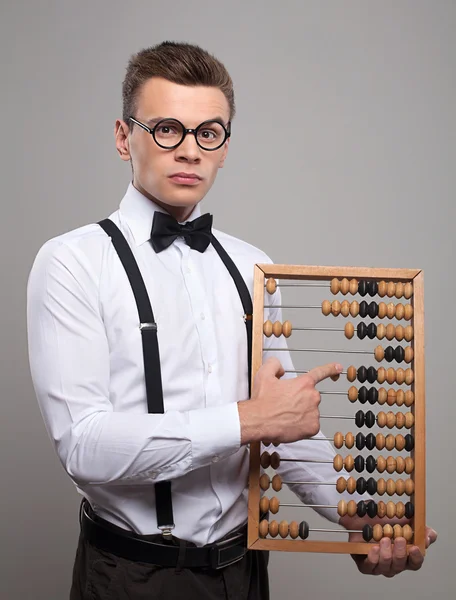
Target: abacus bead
400, 311
351, 485
381, 509
400, 332
390, 487
390, 509
361, 508
381, 374
399, 290
303, 530
382, 288
390, 310
409, 465
371, 331
275, 460
359, 463
409, 487
390, 289
351, 508
370, 441
263, 528
399, 353
371, 486
390, 419
400, 420
361, 330
382, 395
371, 374
409, 510
381, 486
294, 530
407, 533
391, 375
381, 464
390, 441
408, 333
264, 505
372, 395
369, 419
338, 440
381, 419
283, 529
277, 329
408, 314
409, 398
362, 288
381, 331
372, 310
335, 308
271, 285
400, 464
349, 440
345, 308
397, 531
400, 376
367, 533
388, 353
408, 290
274, 505
326, 307
359, 418
349, 463
334, 286
362, 374
363, 309
400, 487
344, 286
380, 441
361, 485
380, 353
371, 509
400, 397
287, 329
267, 328
353, 286
391, 397
377, 532
372, 288
360, 441
353, 394
264, 482
351, 373
273, 528
409, 376
408, 354
409, 442
265, 460
349, 330
341, 485
354, 308
390, 332
370, 464
400, 510
276, 483
338, 462
390, 464
381, 310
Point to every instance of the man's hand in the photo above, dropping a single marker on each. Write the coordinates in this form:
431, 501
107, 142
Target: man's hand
386, 558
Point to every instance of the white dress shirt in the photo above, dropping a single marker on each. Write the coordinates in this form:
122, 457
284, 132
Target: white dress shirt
87, 367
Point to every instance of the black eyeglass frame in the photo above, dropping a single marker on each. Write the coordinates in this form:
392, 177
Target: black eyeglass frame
185, 131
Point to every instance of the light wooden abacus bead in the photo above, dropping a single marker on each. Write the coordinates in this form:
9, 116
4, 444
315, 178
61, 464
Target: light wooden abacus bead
271, 285
277, 329
267, 328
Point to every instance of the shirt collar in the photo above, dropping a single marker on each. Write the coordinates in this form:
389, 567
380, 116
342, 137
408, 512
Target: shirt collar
138, 213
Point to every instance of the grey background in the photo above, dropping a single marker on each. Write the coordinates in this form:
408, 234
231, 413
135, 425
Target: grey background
343, 152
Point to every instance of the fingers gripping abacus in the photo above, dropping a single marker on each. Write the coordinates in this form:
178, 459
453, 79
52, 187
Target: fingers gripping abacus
403, 291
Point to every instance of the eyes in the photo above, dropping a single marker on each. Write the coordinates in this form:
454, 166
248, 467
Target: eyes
211, 132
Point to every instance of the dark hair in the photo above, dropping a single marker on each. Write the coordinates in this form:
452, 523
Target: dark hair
181, 63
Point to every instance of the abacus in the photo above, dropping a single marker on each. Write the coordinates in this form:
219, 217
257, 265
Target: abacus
402, 298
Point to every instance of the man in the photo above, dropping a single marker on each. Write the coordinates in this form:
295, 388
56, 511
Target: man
139, 344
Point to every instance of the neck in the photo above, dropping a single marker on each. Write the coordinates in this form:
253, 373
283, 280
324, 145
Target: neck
180, 213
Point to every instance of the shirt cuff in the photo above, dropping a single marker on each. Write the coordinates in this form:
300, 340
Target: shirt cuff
215, 433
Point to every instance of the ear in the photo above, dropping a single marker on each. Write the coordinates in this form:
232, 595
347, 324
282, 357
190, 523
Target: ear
224, 154
122, 137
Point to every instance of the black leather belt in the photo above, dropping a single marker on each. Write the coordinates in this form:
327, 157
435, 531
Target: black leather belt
110, 538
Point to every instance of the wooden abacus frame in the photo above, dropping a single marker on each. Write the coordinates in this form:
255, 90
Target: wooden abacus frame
297, 272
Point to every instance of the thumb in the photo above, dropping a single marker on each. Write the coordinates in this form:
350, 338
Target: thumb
272, 367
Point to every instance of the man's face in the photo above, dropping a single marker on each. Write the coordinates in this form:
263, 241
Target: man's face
153, 166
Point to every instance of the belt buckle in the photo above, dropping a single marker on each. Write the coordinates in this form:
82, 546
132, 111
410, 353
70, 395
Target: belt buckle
221, 556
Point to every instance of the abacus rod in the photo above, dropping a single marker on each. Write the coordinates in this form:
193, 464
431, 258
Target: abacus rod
308, 505
292, 306
341, 373
316, 460
292, 285
318, 350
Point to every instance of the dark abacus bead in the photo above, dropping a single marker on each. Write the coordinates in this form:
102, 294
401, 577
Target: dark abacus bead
361, 330
372, 310
371, 442
363, 309
368, 532
372, 331
389, 354
360, 441
362, 374
371, 374
359, 464
371, 486
303, 530
369, 419
361, 508
371, 509
359, 418
361, 485
362, 288
409, 442
371, 464
372, 288
399, 354
362, 394
372, 395
409, 510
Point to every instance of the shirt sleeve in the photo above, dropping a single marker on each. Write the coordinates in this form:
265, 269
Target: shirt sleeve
315, 471
70, 367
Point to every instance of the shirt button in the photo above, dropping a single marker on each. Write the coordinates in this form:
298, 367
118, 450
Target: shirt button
215, 459
153, 475
209, 368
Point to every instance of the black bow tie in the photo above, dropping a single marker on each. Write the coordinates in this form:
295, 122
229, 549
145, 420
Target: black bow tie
165, 229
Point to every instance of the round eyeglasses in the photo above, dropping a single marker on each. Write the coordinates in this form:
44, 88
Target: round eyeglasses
170, 133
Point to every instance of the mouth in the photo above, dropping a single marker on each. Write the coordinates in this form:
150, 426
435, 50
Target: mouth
186, 178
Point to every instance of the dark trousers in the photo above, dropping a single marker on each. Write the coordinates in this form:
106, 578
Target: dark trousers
99, 575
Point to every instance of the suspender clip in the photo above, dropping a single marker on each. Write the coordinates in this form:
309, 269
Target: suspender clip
166, 531
148, 326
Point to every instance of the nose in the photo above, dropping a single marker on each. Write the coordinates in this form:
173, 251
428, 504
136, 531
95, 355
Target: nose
189, 150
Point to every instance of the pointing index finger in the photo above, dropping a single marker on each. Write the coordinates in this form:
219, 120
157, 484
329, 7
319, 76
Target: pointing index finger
330, 370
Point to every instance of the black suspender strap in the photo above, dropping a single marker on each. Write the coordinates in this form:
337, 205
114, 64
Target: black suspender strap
151, 354
246, 299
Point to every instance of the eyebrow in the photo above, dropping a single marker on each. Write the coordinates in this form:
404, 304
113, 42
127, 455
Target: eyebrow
155, 120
